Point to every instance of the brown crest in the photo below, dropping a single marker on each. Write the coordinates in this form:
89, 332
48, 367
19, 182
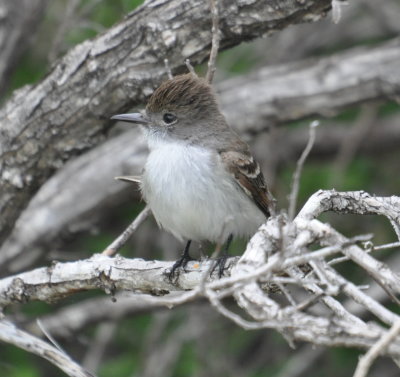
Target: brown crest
180, 92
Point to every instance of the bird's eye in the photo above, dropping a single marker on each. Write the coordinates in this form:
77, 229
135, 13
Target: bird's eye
169, 118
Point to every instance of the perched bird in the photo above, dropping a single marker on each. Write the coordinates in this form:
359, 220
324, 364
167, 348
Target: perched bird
200, 179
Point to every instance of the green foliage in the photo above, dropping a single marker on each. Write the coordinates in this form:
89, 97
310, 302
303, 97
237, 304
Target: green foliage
19, 363
122, 365
188, 362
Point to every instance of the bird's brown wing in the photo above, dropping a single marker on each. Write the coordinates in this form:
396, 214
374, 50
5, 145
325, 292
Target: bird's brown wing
248, 175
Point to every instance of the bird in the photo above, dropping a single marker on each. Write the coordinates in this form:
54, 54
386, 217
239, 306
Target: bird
200, 179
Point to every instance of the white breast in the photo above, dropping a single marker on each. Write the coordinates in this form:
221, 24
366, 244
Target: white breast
193, 197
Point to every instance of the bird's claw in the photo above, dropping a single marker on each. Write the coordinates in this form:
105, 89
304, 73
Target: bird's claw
220, 264
179, 264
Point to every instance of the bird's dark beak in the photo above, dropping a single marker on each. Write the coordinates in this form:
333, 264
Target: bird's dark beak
137, 118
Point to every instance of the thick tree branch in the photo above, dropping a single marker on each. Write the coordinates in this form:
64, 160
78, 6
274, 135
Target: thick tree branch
44, 125
321, 86
280, 247
99, 272
125, 154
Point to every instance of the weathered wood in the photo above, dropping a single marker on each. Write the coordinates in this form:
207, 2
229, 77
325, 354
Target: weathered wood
43, 126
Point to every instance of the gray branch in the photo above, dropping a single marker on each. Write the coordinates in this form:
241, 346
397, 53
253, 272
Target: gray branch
279, 247
313, 87
10, 334
44, 125
41, 224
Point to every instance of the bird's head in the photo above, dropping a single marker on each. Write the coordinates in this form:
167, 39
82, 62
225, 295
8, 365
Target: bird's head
180, 108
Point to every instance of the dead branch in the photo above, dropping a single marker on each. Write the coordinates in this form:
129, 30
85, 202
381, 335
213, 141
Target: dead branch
214, 4
116, 70
378, 348
299, 167
41, 225
311, 87
123, 238
10, 334
265, 257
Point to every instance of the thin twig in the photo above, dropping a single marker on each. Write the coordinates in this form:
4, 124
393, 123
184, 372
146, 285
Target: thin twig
387, 246
190, 68
215, 41
121, 240
373, 248
379, 347
49, 336
287, 294
297, 174
168, 69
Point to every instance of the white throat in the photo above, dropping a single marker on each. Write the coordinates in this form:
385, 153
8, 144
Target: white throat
192, 195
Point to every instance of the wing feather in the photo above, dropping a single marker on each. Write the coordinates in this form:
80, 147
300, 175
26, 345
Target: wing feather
247, 173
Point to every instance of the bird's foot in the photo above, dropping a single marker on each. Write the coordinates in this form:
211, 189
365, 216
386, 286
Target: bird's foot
179, 264
220, 264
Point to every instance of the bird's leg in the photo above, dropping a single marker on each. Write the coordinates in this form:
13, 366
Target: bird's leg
221, 261
181, 262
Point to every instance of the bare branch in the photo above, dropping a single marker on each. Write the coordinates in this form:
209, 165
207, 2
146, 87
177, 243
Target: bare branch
190, 67
123, 238
281, 93
10, 334
85, 86
215, 40
378, 348
265, 259
168, 69
100, 271
277, 94
299, 167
